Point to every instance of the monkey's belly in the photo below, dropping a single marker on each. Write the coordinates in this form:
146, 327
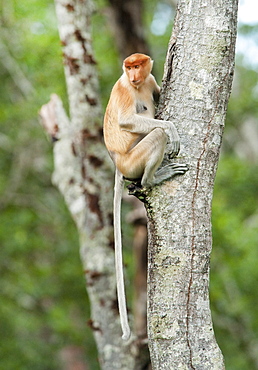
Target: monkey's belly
121, 143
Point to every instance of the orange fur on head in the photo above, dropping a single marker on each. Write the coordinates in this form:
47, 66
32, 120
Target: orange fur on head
136, 59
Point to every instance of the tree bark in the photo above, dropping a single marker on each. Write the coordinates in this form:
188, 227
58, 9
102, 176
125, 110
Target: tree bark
196, 87
125, 20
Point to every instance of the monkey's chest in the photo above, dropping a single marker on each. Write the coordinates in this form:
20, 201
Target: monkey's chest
144, 108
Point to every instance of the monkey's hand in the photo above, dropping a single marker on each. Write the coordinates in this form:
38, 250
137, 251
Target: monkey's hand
173, 143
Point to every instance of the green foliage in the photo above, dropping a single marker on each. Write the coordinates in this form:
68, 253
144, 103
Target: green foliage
234, 272
44, 307
243, 100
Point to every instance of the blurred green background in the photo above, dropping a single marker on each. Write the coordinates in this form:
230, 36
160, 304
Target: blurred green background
44, 308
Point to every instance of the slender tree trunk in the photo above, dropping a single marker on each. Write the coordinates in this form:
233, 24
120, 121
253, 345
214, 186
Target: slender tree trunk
83, 175
125, 20
195, 92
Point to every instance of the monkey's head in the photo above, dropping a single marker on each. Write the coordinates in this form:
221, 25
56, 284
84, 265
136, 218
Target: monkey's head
137, 68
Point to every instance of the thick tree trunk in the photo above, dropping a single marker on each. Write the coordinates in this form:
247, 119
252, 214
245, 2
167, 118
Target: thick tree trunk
196, 88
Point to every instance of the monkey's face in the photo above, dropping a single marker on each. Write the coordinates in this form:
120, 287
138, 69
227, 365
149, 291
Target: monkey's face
137, 68
135, 75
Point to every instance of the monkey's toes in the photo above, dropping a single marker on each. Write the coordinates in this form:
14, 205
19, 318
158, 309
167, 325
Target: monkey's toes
180, 168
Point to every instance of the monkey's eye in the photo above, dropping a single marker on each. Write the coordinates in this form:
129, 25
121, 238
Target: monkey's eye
136, 67
129, 68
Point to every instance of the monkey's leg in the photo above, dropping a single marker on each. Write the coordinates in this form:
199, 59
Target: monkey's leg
169, 171
144, 159
155, 143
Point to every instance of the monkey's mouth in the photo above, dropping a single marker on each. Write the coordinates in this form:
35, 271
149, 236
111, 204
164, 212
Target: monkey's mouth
136, 83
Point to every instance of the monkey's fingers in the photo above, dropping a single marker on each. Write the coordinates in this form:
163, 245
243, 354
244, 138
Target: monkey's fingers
173, 149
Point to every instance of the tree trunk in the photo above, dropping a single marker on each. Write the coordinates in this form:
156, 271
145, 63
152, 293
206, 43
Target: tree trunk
125, 21
83, 175
195, 92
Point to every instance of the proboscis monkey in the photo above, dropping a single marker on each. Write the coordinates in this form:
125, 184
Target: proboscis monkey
136, 142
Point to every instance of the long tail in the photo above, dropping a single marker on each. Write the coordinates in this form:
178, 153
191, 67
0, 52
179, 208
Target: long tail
118, 255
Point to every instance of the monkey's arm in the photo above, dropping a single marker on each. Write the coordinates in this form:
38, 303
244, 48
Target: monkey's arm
144, 125
139, 124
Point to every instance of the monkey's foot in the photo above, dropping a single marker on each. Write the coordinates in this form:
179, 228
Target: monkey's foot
169, 171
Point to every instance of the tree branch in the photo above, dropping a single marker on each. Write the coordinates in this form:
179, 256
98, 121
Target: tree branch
18, 76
